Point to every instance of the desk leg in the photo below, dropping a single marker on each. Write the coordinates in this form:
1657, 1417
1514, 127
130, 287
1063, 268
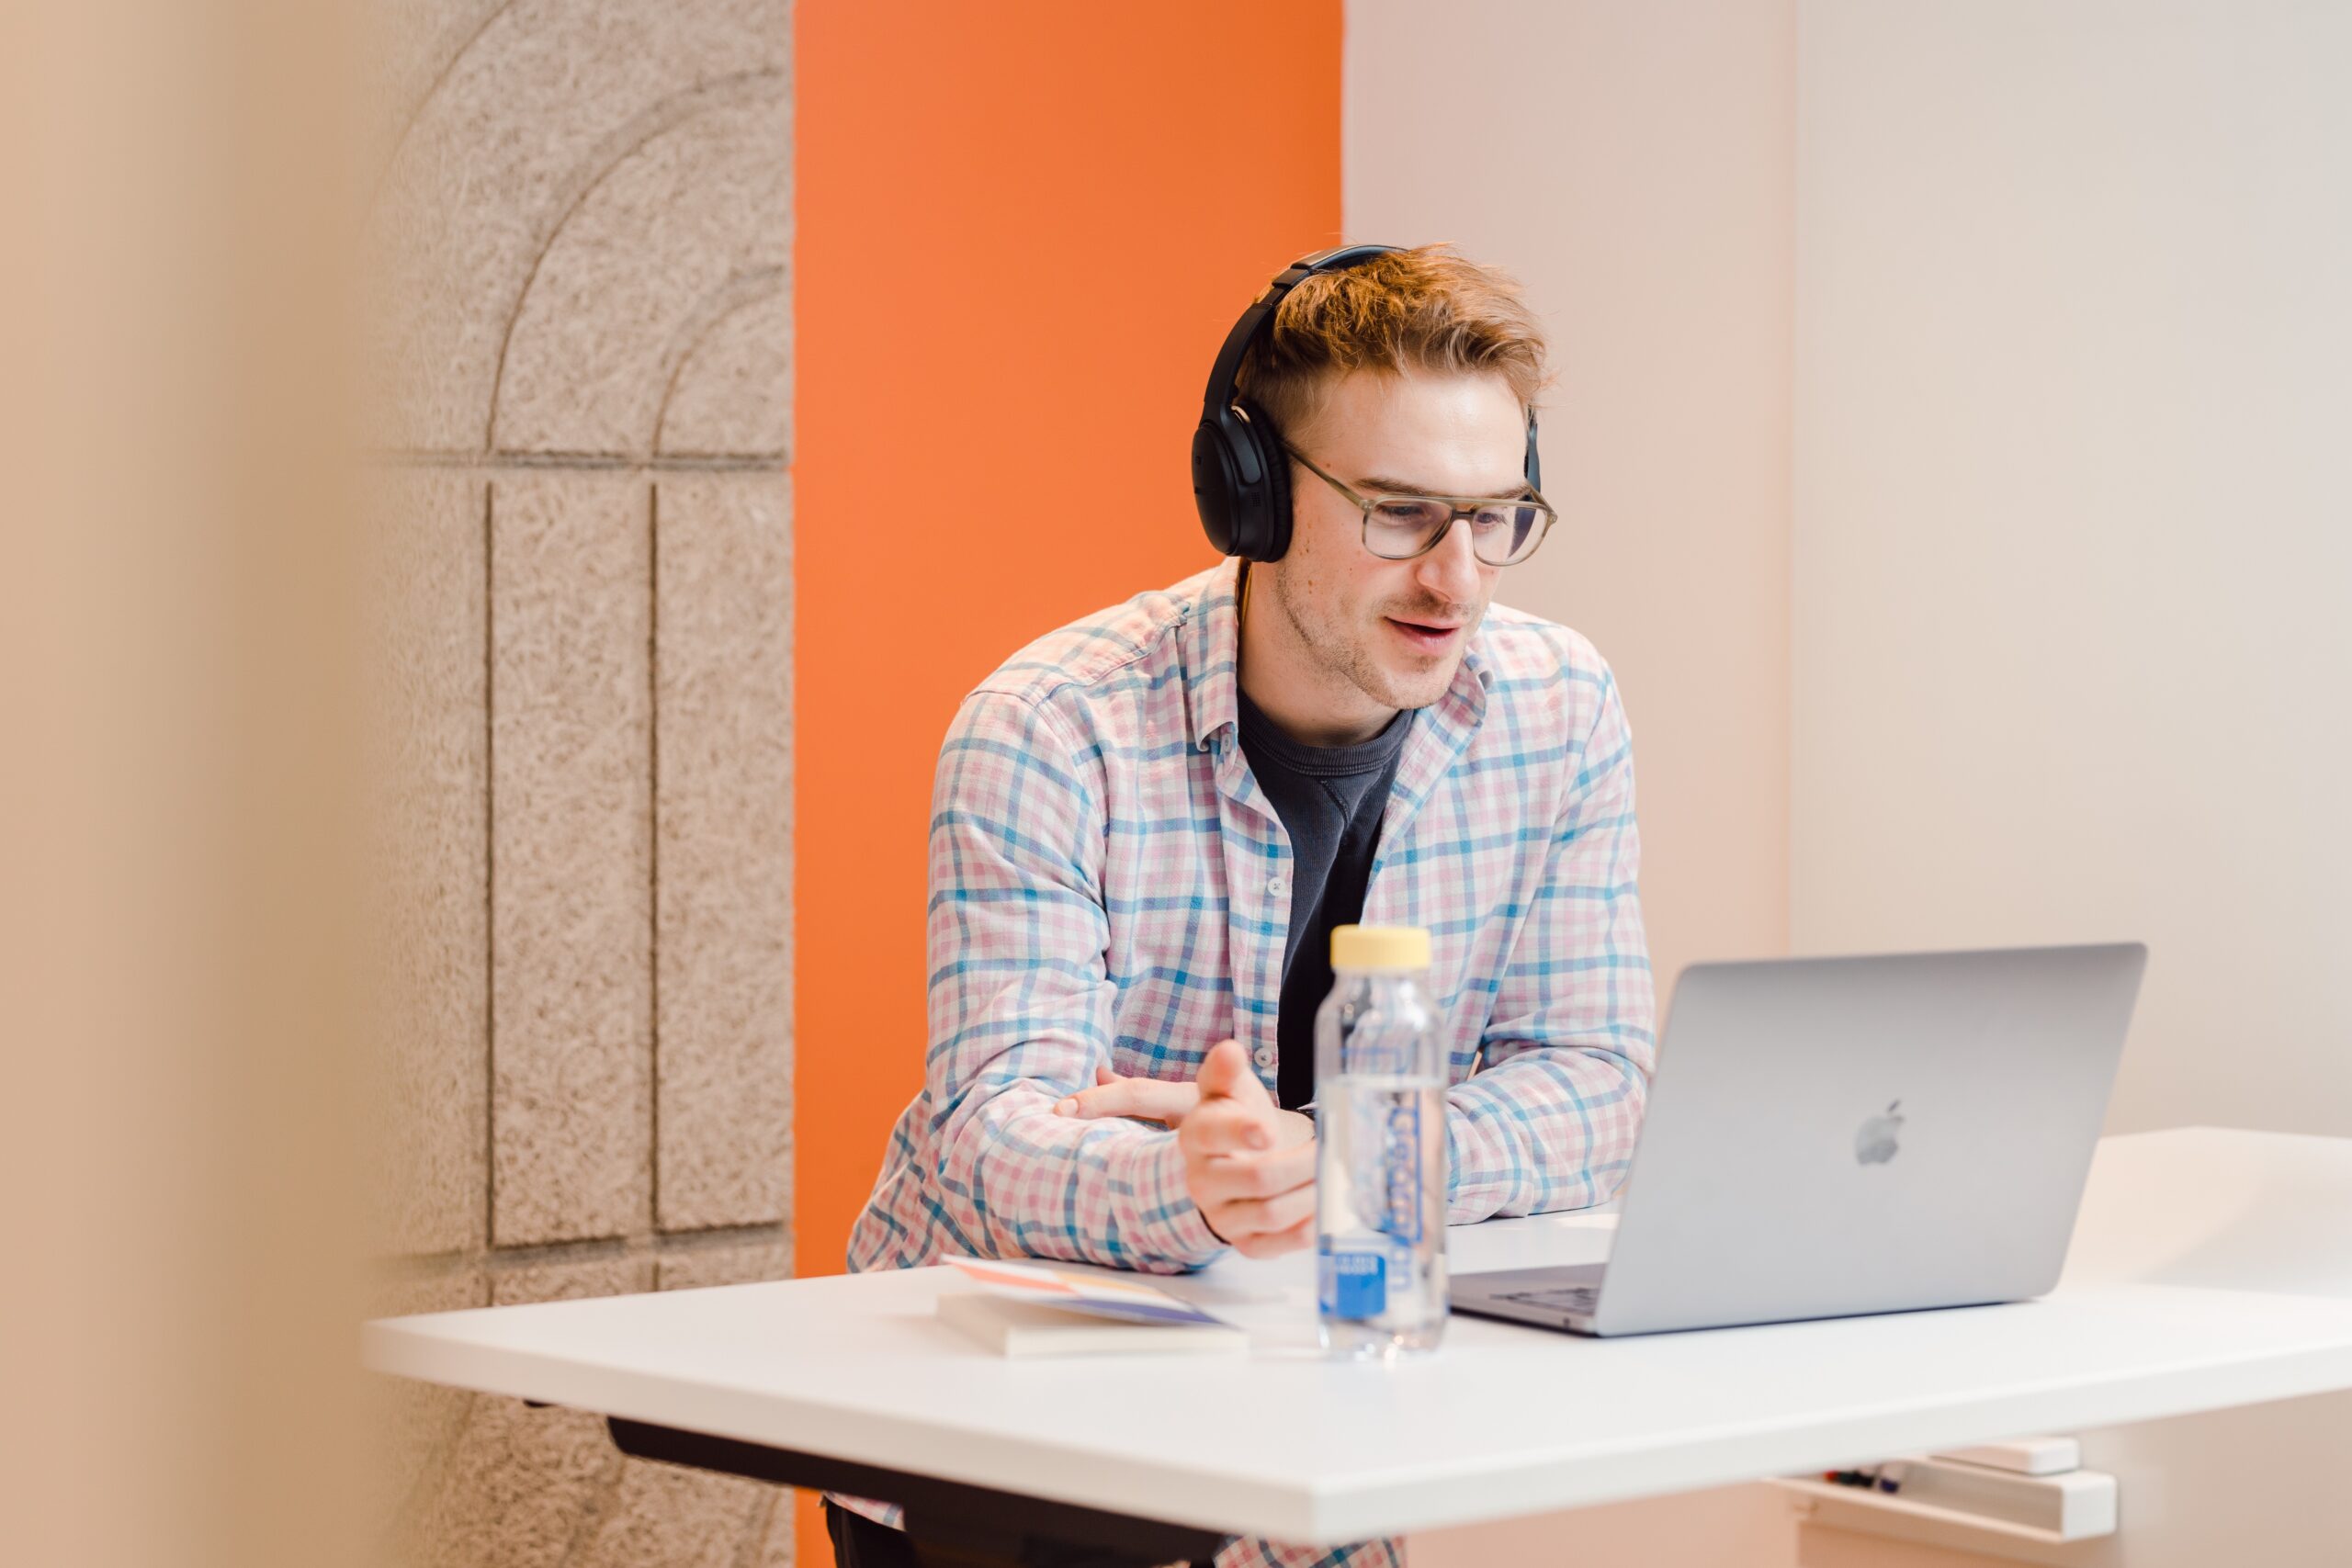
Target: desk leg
952, 1525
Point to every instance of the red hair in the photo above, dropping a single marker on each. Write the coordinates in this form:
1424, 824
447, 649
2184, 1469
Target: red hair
1424, 308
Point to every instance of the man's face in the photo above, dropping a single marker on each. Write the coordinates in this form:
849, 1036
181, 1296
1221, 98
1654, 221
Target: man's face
1365, 635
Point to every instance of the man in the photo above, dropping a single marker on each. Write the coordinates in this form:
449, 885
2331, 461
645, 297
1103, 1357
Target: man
1146, 825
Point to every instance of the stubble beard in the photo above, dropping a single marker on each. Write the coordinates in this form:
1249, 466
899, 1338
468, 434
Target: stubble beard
1352, 662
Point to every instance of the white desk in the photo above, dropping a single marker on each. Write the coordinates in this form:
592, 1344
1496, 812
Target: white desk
2210, 1269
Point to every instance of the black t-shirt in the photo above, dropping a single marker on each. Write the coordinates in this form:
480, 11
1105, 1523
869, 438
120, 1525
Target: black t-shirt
1329, 799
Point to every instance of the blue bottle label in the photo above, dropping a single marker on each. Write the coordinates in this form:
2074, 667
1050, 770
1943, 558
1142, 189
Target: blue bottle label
1401, 1172
1352, 1284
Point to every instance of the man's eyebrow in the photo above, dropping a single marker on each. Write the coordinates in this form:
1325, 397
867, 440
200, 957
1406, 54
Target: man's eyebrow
1381, 484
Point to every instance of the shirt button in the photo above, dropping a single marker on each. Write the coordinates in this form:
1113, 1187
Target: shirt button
1264, 1056
1278, 885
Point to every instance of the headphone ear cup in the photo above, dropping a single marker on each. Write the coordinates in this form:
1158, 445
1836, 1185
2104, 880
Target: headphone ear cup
1215, 484
1261, 509
1241, 485
1276, 536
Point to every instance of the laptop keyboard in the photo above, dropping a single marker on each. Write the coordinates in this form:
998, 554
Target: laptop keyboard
1573, 1298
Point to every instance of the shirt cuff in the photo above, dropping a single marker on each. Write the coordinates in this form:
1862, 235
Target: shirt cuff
1165, 1229
1452, 1161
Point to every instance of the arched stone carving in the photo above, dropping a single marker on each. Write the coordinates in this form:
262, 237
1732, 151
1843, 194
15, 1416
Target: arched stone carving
536, 105
581, 223
593, 342
720, 398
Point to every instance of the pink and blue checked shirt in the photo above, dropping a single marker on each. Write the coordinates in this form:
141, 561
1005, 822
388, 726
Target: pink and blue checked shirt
1109, 884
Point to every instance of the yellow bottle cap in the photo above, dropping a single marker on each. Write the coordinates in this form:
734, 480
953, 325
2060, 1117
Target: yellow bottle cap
1379, 949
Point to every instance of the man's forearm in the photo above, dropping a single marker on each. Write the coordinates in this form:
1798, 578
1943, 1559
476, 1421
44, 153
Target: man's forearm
1019, 1181
1549, 1128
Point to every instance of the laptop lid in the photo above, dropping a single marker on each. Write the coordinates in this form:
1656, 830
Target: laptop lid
1828, 1136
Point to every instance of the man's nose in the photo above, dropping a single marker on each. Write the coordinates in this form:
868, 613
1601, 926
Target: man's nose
1449, 568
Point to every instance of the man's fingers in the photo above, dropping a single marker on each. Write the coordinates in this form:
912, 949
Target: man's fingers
1068, 1104
1292, 1128
1217, 1183
1149, 1098
1225, 1072
1228, 1127
1274, 1244
1266, 1216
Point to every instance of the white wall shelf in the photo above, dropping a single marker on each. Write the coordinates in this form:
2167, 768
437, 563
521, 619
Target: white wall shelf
1970, 1508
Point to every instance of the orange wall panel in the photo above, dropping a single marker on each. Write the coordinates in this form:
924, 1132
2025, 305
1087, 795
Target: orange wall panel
1022, 231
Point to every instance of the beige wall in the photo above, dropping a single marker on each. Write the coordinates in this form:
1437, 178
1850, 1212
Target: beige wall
1631, 165
2071, 563
581, 218
2074, 375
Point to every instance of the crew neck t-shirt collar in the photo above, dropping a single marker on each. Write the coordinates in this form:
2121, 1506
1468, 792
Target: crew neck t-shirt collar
1262, 734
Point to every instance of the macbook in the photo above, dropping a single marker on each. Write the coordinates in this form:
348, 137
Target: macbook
1832, 1136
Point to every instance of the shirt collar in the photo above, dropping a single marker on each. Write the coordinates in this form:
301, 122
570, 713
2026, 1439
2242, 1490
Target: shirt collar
1212, 653
1212, 659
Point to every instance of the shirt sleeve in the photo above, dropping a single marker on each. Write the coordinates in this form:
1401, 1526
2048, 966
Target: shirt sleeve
1020, 1006
1550, 1120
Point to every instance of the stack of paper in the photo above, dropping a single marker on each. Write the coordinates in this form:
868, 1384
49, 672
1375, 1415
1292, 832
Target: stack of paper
1023, 1309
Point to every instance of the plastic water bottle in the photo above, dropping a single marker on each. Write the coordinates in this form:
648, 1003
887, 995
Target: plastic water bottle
1380, 1126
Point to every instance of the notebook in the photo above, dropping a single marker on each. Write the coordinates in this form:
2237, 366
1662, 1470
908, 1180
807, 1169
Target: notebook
1020, 1309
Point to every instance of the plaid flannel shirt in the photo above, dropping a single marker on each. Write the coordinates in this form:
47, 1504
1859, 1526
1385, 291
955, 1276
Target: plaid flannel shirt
1108, 884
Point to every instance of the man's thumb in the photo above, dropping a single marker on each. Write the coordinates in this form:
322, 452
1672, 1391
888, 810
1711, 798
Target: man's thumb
1226, 1072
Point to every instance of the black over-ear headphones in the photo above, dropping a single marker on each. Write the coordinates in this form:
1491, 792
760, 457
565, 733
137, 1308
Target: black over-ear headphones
1240, 473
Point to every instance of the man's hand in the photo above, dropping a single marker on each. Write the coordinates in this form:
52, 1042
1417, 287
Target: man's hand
1154, 1099
1146, 1099
1248, 1164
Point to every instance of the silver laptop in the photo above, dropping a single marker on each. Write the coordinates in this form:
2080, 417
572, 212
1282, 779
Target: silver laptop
1830, 1136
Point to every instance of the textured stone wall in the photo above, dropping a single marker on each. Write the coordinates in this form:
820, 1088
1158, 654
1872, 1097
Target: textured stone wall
582, 219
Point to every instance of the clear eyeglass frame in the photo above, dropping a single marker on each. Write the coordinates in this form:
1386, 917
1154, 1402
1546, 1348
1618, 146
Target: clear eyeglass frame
1503, 532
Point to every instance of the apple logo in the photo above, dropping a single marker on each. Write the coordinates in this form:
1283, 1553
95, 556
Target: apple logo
1874, 1144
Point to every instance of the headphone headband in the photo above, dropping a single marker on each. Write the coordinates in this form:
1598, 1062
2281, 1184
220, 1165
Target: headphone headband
1228, 368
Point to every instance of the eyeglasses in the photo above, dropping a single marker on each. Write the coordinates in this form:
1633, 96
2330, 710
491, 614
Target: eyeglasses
1398, 527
